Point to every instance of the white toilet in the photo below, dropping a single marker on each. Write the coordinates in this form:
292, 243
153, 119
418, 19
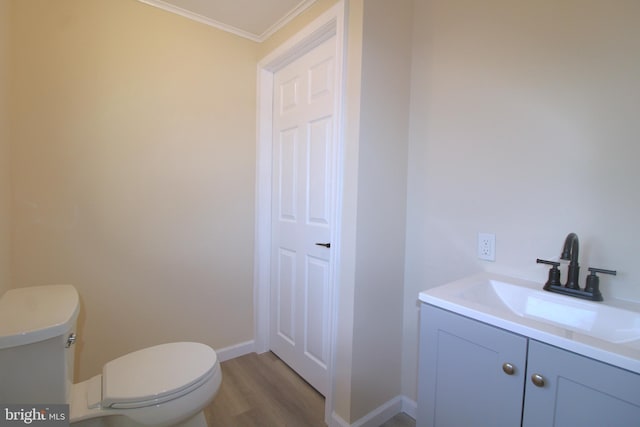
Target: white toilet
162, 386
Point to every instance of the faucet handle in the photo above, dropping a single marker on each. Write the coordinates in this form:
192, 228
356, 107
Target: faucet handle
544, 261
554, 273
593, 282
593, 271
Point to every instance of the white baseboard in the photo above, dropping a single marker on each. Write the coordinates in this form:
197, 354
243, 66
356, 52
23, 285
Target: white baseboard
409, 407
236, 350
381, 414
337, 421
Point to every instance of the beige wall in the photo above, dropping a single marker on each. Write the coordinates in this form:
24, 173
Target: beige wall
381, 202
134, 159
524, 123
342, 397
5, 188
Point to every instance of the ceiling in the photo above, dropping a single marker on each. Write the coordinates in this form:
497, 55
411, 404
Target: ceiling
252, 19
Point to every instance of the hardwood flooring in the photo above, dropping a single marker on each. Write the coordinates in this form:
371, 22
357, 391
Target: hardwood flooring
262, 391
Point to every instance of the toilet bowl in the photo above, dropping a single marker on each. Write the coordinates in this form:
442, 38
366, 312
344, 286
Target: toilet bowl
157, 386
162, 386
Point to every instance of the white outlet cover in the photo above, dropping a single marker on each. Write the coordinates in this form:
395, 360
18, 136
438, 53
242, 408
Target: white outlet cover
487, 246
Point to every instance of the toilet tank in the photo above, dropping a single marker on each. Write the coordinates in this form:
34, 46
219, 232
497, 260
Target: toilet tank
36, 355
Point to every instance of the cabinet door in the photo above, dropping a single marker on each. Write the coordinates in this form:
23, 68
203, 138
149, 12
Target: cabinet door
578, 391
461, 376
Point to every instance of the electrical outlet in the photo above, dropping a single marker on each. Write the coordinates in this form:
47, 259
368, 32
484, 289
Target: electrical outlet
487, 246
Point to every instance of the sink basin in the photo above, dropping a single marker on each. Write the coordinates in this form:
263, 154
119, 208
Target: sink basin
612, 324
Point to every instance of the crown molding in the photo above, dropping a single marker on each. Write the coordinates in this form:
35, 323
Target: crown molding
286, 19
229, 28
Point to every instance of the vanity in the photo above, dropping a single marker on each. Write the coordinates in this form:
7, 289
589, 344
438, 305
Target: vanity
499, 351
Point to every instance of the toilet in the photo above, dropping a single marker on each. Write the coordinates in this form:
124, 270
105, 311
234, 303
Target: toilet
161, 386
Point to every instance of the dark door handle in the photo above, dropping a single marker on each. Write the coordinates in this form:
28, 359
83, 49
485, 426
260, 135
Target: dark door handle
326, 245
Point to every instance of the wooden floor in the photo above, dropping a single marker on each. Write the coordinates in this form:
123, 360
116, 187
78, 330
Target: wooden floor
262, 391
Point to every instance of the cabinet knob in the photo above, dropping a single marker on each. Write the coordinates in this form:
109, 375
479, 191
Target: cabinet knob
537, 380
508, 368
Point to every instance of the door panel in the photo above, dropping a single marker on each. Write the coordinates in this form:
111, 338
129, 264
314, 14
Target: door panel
304, 137
286, 295
288, 149
320, 132
316, 304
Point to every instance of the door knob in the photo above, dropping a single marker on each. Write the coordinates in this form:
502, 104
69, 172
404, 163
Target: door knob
326, 245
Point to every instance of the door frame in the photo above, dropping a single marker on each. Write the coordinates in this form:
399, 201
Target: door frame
330, 23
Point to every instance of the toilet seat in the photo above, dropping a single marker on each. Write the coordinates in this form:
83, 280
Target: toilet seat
156, 374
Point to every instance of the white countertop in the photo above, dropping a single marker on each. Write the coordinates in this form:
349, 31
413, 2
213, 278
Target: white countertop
467, 298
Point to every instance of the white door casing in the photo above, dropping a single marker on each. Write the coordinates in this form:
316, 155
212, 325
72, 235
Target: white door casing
330, 24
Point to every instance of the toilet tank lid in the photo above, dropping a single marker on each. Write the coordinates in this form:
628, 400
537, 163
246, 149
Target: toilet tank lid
36, 313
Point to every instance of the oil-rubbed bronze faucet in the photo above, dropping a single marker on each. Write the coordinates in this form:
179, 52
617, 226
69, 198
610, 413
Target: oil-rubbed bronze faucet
570, 253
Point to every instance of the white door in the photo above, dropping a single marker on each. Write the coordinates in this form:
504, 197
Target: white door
303, 146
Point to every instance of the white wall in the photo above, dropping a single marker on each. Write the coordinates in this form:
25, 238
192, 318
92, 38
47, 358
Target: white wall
134, 160
524, 123
5, 176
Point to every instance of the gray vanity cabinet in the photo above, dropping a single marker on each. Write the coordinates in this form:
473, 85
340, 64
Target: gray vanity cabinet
462, 381
475, 374
578, 391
